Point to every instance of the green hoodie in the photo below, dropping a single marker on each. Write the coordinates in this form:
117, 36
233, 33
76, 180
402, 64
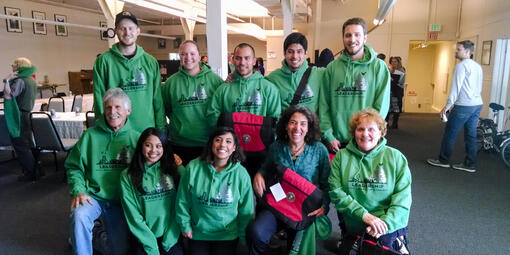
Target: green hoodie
96, 161
217, 206
24, 101
350, 86
139, 77
151, 215
254, 94
186, 99
378, 182
287, 82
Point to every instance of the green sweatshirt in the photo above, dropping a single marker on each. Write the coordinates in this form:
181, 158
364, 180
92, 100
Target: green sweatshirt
23, 101
139, 77
350, 86
186, 99
151, 215
96, 161
253, 94
287, 82
378, 182
217, 206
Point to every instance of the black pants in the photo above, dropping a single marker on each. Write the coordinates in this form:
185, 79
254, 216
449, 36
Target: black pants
23, 145
187, 153
389, 240
175, 250
199, 247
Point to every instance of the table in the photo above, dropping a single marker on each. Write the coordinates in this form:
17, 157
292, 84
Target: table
69, 124
88, 102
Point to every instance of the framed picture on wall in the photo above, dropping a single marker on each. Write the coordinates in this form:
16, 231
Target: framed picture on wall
61, 30
101, 33
486, 52
39, 28
13, 25
161, 43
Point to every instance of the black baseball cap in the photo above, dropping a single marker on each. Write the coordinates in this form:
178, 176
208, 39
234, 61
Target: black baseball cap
125, 15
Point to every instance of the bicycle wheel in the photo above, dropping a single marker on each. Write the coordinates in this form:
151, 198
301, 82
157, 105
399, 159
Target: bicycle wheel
505, 152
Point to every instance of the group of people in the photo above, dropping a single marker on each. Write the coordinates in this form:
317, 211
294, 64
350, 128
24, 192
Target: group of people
190, 180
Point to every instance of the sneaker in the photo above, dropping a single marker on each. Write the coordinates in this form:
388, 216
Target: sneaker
463, 167
436, 162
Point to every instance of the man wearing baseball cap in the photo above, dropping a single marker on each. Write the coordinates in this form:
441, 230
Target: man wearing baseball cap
127, 66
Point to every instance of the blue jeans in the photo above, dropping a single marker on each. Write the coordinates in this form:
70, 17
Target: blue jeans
261, 229
82, 221
466, 116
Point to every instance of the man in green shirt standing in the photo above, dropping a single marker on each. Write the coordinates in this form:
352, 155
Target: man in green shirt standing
186, 96
354, 81
127, 66
288, 77
249, 92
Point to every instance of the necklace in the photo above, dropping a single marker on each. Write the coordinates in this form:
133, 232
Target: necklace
295, 153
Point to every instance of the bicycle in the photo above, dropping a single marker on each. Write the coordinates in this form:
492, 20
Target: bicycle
489, 139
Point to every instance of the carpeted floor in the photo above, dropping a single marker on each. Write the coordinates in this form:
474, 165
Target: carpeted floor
453, 212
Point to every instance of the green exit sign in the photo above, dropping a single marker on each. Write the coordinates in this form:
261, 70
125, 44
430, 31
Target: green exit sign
434, 28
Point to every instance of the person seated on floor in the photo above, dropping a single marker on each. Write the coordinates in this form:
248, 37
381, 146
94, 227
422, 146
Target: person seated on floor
215, 198
297, 147
149, 189
370, 184
93, 172
19, 97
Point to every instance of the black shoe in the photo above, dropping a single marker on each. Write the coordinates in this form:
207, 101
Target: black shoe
26, 178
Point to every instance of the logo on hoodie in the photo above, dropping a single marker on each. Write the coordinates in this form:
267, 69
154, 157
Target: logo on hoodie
254, 101
223, 198
376, 181
162, 189
358, 87
199, 96
306, 97
118, 162
138, 82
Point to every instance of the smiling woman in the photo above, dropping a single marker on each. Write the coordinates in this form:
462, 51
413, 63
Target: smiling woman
371, 185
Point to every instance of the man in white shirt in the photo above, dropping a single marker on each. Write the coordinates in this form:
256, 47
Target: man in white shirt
466, 100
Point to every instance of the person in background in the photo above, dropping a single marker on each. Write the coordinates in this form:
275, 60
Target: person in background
297, 147
398, 78
19, 97
149, 190
127, 66
466, 100
215, 198
288, 77
248, 92
259, 66
93, 172
204, 59
325, 58
370, 184
381, 56
186, 96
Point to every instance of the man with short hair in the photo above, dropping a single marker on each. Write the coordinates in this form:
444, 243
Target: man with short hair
127, 66
186, 96
466, 100
249, 92
354, 81
93, 172
288, 77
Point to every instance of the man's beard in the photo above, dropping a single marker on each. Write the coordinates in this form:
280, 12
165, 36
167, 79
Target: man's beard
348, 53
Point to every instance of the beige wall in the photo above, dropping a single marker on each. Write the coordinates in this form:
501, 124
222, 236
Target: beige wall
52, 55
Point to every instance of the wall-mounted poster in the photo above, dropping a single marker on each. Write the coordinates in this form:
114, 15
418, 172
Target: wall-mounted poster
13, 25
39, 28
61, 30
486, 52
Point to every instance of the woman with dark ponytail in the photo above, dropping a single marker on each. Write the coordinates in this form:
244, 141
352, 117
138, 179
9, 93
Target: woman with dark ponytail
149, 188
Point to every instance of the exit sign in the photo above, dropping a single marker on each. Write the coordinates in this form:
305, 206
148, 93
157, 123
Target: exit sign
434, 28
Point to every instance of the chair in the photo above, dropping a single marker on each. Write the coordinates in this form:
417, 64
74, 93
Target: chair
5, 139
90, 119
56, 103
46, 136
77, 103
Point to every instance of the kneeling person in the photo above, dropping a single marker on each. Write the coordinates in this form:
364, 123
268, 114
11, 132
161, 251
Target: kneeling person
93, 172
